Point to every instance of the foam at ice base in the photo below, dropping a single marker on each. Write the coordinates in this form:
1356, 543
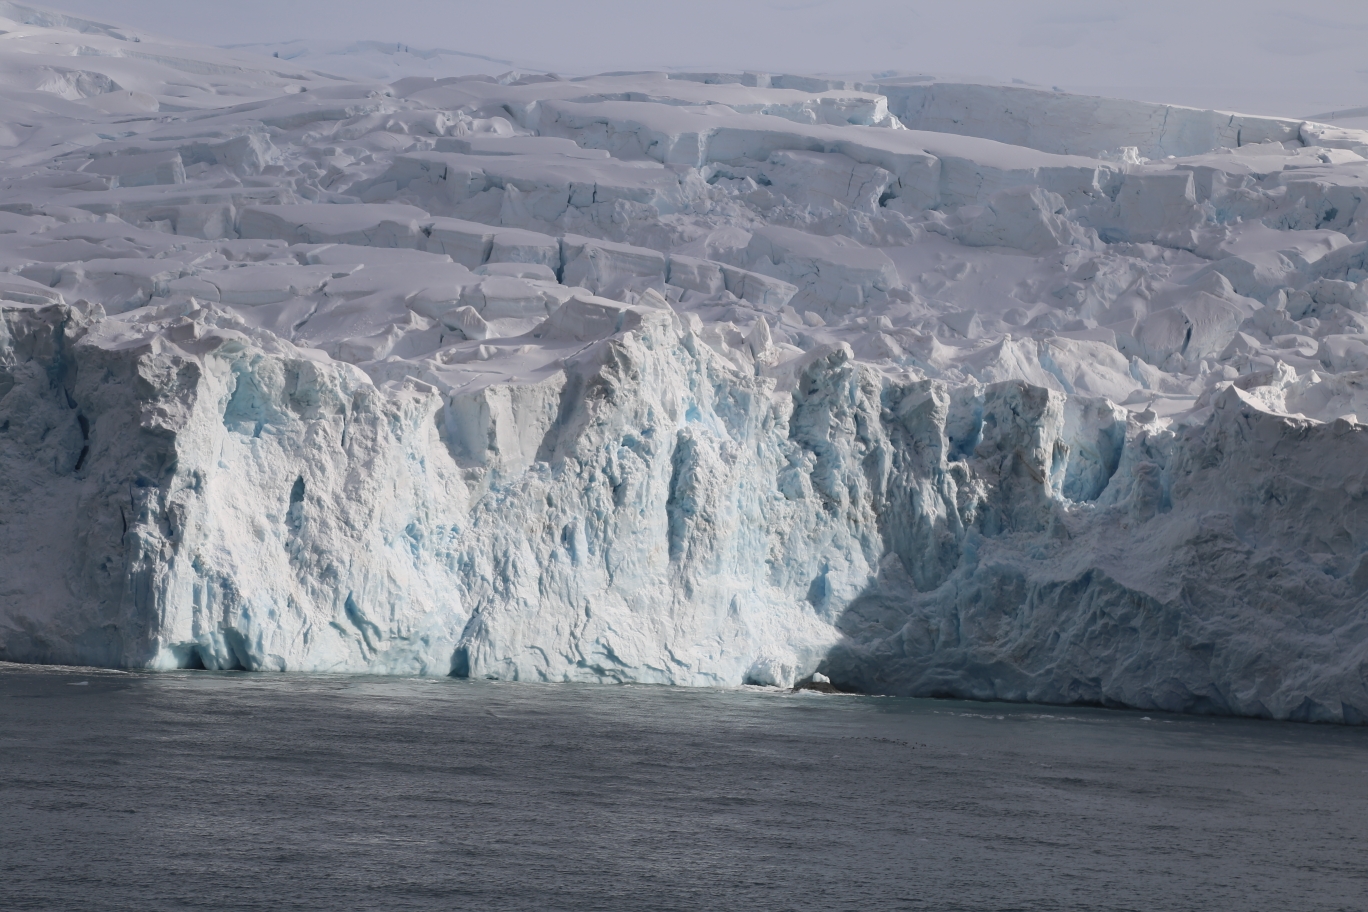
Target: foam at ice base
711, 380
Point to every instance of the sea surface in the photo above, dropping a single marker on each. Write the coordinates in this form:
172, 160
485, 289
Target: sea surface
228, 791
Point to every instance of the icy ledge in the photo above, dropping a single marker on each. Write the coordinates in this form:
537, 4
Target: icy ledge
183, 490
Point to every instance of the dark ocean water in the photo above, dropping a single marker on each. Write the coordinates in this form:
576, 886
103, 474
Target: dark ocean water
231, 791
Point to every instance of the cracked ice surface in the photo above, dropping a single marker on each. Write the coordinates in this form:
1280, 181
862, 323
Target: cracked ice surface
939, 389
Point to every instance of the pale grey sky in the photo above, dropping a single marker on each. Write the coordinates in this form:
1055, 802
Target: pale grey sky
1265, 56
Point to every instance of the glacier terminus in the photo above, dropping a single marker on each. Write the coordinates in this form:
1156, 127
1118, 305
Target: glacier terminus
929, 387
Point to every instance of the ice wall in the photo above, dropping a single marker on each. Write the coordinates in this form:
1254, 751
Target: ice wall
703, 381
1070, 124
649, 513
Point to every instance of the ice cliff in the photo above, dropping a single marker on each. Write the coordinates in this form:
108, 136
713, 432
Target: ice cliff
693, 379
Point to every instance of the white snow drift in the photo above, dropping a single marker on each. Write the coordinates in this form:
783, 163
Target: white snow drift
937, 389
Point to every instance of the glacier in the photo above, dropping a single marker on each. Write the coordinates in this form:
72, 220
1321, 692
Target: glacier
922, 386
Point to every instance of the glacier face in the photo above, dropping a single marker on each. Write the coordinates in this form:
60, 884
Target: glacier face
703, 380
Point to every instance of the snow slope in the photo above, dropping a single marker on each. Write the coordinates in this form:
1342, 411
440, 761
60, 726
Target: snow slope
1259, 56
686, 378
379, 61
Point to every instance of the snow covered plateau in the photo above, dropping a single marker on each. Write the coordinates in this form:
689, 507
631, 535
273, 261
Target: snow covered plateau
934, 388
